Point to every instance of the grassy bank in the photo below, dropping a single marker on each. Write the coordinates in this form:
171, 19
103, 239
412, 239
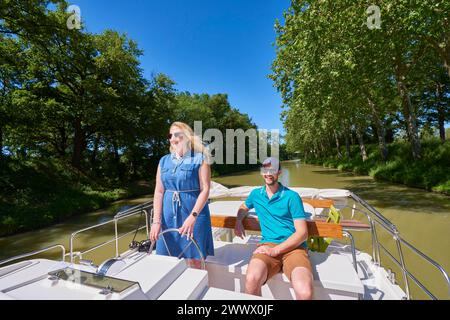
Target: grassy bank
431, 172
40, 193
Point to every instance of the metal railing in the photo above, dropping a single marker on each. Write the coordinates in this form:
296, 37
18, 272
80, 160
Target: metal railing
144, 208
375, 218
32, 253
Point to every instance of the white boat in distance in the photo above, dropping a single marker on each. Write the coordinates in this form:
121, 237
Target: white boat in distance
341, 272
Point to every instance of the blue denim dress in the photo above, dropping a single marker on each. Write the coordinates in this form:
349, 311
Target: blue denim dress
181, 190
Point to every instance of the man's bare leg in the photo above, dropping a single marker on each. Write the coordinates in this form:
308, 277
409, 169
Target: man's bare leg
302, 282
256, 277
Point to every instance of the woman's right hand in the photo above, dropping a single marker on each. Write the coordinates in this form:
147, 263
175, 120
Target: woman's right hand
154, 231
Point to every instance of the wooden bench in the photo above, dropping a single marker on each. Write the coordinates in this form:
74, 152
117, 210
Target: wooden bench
318, 203
315, 228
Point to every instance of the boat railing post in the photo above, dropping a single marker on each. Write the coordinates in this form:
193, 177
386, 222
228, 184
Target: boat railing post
372, 228
229, 235
378, 256
353, 210
147, 227
402, 262
378, 245
71, 248
352, 241
117, 237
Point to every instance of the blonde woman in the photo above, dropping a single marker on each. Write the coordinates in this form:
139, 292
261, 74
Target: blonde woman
181, 194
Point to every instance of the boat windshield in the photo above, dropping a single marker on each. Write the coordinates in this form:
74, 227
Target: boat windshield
92, 279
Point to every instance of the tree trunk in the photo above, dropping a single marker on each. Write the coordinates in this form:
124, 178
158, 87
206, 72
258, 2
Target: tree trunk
60, 144
362, 146
347, 146
322, 148
338, 145
381, 132
94, 152
444, 53
408, 110
411, 121
120, 171
441, 120
63, 144
1, 143
347, 142
441, 112
78, 147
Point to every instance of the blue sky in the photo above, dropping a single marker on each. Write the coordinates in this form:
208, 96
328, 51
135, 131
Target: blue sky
205, 46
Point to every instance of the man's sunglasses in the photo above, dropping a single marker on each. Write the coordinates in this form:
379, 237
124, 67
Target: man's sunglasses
265, 171
176, 135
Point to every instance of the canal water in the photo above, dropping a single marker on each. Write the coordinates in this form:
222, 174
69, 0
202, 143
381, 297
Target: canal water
421, 217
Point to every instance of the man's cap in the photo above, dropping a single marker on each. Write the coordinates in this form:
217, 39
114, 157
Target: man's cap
271, 163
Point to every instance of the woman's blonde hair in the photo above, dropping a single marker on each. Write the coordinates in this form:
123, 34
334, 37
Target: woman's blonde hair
196, 142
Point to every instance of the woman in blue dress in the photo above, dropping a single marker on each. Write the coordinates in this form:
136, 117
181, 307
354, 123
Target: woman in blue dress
181, 196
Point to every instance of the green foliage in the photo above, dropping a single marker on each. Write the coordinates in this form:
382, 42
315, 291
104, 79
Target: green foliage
36, 194
79, 123
341, 81
432, 172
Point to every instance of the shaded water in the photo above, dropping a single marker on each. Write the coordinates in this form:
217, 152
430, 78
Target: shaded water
422, 218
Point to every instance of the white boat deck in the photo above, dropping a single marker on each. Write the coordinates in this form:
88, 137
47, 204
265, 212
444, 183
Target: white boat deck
168, 278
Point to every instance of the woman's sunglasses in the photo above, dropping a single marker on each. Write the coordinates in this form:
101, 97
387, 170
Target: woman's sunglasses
176, 135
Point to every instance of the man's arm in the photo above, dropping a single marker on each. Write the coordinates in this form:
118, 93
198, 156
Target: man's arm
239, 227
298, 237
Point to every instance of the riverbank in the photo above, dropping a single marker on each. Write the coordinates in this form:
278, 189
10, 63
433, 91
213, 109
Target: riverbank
431, 172
39, 194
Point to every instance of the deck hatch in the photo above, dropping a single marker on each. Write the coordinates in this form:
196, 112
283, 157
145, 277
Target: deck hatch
92, 280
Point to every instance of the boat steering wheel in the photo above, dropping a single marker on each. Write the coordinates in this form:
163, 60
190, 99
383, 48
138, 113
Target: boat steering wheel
191, 241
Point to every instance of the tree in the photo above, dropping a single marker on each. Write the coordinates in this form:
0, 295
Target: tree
331, 65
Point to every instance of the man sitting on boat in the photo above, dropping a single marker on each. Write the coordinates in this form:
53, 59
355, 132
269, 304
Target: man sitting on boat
284, 232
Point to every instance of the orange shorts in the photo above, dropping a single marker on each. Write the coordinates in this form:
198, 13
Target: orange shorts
286, 261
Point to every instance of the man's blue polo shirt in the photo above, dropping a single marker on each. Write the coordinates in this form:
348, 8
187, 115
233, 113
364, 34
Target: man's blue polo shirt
276, 215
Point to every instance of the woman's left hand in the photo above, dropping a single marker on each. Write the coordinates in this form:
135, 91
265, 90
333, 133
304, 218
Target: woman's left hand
188, 226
